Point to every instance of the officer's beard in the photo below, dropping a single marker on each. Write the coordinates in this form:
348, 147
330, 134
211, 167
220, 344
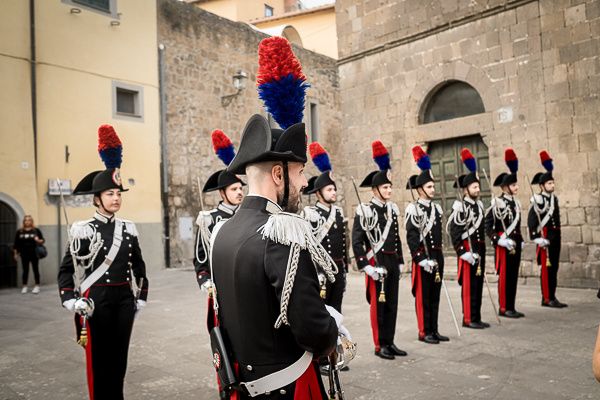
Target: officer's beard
293, 202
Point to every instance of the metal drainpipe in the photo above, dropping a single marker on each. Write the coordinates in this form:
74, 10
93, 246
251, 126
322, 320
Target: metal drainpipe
32, 64
164, 177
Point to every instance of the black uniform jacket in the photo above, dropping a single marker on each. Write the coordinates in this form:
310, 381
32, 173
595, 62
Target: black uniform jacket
249, 274
335, 239
128, 260
474, 213
429, 211
493, 225
360, 241
542, 202
209, 219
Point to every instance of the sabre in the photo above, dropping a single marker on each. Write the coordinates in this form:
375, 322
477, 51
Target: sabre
381, 298
511, 251
462, 200
200, 192
436, 266
487, 285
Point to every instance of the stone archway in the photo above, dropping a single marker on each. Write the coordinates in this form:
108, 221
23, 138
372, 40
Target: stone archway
11, 213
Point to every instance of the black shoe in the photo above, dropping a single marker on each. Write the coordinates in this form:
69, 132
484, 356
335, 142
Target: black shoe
385, 354
510, 314
345, 368
429, 339
485, 324
551, 304
561, 305
474, 325
396, 351
520, 314
441, 338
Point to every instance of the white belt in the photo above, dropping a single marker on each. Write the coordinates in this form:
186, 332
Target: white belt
280, 378
112, 253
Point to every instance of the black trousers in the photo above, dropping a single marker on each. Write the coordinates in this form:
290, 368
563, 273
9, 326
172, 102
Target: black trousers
335, 290
509, 276
549, 274
427, 295
32, 259
472, 287
383, 314
110, 330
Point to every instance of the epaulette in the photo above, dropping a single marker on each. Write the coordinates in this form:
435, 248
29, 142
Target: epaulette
498, 203
287, 229
439, 209
480, 203
82, 229
411, 209
457, 206
205, 218
537, 198
310, 214
364, 208
395, 209
130, 227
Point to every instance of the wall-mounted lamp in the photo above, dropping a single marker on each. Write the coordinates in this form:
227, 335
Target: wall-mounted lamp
239, 83
75, 10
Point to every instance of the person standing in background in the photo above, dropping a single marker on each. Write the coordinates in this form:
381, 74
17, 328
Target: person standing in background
26, 240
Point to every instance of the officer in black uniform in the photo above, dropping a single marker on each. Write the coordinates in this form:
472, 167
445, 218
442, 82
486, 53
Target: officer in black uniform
264, 259
467, 231
231, 192
103, 276
378, 253
503, 226
423, 221
543, 222
329, 225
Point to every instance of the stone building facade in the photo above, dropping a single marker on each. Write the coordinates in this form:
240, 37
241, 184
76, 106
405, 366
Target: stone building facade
536, 68
201, 52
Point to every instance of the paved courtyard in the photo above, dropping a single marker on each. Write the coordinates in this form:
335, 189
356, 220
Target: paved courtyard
546, 355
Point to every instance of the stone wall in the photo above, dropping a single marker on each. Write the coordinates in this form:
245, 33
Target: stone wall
202, 52
536, 65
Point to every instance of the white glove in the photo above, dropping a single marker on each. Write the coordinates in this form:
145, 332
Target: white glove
69, 304
468, 257
506, 243
80, 306
206, 286
345, 332
139, 306
372, 272
427, 265
381, 271
339, 318
541, 242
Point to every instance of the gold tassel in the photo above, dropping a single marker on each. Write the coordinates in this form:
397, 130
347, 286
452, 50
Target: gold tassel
478, 272
548, 263
323, 292
381, 298
438, 279
83, 338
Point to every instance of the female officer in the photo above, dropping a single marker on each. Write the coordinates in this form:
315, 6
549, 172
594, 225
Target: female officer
102, 277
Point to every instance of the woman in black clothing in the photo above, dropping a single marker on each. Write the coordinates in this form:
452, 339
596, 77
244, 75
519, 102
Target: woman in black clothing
26, 240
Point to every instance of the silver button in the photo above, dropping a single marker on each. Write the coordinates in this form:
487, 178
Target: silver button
108, 281
130, 245
249, 368
282, 391
129, 254
106, 273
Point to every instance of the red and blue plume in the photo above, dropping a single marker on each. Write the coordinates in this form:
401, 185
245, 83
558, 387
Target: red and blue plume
223, 146
319, 157
281, 84
421, 158
546, 160
381, 155
512, 162
467, 158
110, 147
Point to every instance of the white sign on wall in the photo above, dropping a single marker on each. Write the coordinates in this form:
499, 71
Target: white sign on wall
505, 115
54, 189
186, 228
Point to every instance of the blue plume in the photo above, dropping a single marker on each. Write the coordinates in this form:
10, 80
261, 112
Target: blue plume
383, 161
424, 162
548, 165
322, 162
284, 99
471, 164
112, 157
226, 154
513, 166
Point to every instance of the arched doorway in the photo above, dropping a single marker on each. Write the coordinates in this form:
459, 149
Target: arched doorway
8, 227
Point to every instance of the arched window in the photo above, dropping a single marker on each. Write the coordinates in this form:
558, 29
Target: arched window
451, 99
292, 35
8, 227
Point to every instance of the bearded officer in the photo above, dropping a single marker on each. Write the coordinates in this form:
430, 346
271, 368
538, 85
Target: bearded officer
543, 222
467, 231
231, 193
503, 226
378, 252
265, 257
423, 221
328, 225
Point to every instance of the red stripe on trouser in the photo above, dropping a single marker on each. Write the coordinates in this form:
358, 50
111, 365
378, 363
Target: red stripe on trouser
307, 386
373, 310
466, 289
542, 256
501, 270
416, 275
89, 367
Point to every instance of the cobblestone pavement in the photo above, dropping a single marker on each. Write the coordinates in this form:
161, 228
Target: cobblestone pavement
546, 355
